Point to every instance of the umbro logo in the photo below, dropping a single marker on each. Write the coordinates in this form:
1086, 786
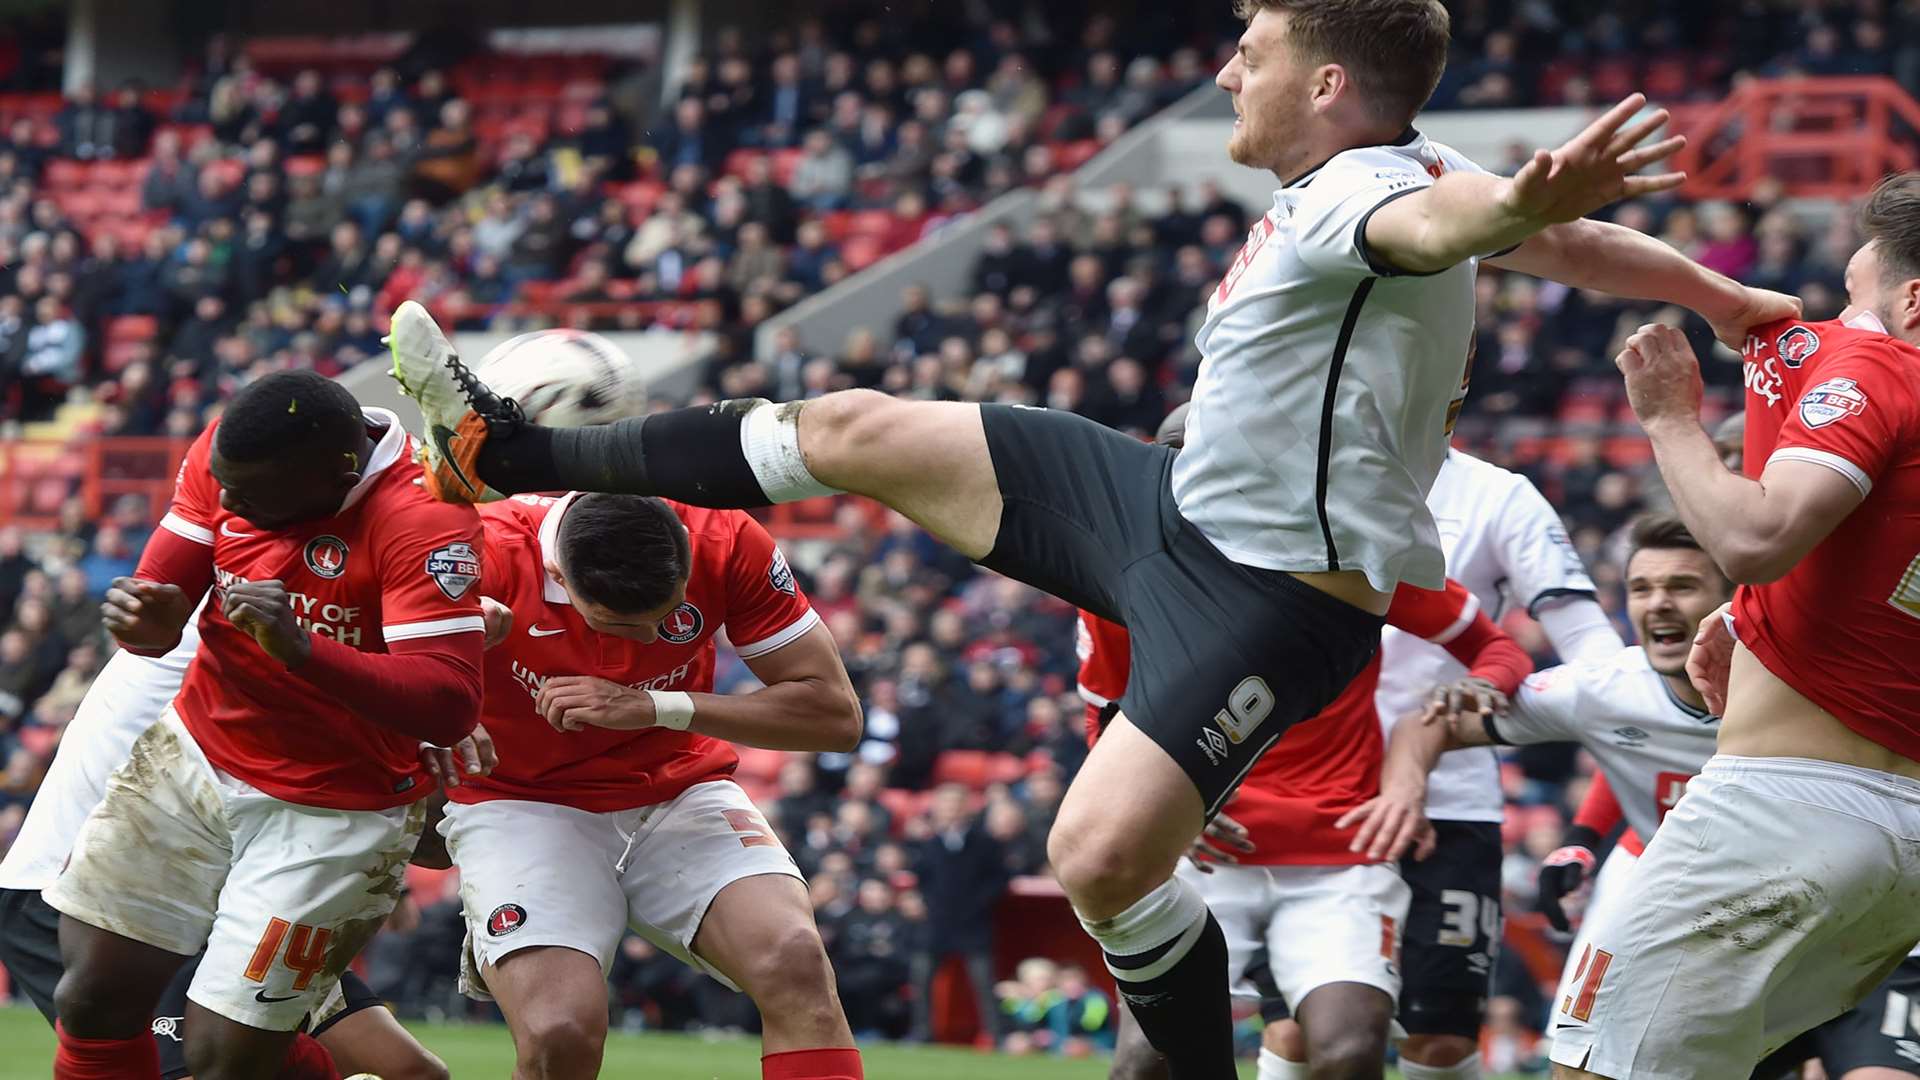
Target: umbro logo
1631, 736
542, 631
1213, 744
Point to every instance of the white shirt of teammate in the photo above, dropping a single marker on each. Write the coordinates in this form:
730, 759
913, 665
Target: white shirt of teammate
125, 699
1647, 741
1506, 544
1320, 412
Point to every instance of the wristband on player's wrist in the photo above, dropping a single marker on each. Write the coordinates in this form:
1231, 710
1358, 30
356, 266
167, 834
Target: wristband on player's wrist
671, 709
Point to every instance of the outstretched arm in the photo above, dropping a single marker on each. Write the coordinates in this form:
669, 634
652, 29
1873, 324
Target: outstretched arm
1465, 214
1614, 259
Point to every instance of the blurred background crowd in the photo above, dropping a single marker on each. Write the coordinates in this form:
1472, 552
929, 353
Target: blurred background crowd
161, 246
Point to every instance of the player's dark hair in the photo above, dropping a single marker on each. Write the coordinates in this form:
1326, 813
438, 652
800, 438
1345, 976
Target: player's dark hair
626, 553
1395, 49
1891, 215
290, 416
1665, 532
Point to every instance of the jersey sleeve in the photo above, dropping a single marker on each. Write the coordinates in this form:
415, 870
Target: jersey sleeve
765, 607
196, 495
1856, 417
1536, 555
430, 571
1434, 615
1547, 709
1330, 219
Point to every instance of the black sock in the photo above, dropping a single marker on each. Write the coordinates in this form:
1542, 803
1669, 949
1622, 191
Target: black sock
1185, 1011
692, 455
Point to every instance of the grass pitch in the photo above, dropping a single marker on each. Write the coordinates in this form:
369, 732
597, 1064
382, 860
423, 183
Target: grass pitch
484, 1052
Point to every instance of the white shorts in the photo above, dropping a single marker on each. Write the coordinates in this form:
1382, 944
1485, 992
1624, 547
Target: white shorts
1316, 924
1612, 886
1776, 894
535, 873
180, 855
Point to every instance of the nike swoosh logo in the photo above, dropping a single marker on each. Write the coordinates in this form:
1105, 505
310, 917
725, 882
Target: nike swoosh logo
443, 438
226, 529
261, 996
541, 631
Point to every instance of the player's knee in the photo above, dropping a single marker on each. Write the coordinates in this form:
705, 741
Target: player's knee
97, 1008
1286, 1039
838, 426
1098, 873
1349, 1054
1439, 1051
790, 971
563, 1045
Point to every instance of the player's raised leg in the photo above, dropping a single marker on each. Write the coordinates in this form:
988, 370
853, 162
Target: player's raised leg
928, 460
760, 933
105, 1003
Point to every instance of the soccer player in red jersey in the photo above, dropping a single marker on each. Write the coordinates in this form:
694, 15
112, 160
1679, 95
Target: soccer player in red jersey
268, 815
1301, 867
1785, 884
613, 805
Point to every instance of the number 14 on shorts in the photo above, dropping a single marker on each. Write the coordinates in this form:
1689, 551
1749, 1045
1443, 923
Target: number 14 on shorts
306, 951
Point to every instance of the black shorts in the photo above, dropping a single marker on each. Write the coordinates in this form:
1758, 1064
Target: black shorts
1883, 1030
30, 950
1453, 930
30, 947
1225, 657
1273, 1004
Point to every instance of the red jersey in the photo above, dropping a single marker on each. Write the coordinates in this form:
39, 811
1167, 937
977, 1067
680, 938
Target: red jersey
1327, 764
739, 580
1843, 626
392, 565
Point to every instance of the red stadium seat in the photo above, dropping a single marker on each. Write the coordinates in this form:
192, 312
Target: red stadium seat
905, 805
860, 252
1070, 156
132, 328
62, 173
976, 768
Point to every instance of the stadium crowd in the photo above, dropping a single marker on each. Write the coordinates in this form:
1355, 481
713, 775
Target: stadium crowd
270, 222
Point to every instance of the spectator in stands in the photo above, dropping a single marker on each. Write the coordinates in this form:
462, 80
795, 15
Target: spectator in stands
824, 174
50, 365
1026, 1002
372, 187
688, 139
447, 165
307, 116
962, 874
869, 948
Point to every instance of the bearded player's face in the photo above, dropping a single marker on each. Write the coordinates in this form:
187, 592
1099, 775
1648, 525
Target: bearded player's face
1269, 85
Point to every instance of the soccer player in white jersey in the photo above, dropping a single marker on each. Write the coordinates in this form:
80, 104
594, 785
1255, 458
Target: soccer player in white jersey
1635, 711
1253, 569
1506, 544
356, 1032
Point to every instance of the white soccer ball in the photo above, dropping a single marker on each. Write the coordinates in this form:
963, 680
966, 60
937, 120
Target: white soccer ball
565, 378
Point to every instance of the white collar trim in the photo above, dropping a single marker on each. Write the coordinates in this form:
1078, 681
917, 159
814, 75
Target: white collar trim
385, 453
550, 590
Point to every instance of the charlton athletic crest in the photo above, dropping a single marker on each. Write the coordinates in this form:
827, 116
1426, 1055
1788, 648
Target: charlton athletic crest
1832, 401
1796, 345
506, 919
327, 556
454, 568
682, 624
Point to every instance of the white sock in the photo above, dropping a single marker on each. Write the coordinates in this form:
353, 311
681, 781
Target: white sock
1467, 1069
770, 440
1165, 922
1275, 1067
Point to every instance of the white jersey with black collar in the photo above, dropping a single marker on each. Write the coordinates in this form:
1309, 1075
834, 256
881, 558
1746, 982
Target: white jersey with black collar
1326, 382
